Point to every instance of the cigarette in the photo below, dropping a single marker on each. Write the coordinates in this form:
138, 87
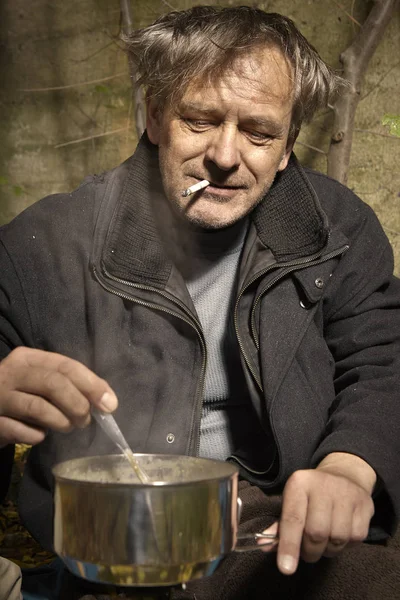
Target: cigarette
195, 188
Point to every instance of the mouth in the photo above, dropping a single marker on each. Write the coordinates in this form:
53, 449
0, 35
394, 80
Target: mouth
221, 186
220, 189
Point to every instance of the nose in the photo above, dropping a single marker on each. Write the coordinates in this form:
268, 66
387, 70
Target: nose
223, 148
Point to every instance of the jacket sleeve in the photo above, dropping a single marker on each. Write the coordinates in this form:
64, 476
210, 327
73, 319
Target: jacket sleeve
14, 319
362, 330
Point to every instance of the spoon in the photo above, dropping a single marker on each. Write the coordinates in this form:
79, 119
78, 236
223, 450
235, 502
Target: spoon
110, 427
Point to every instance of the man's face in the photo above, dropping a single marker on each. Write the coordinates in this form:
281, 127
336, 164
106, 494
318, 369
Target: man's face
234, 133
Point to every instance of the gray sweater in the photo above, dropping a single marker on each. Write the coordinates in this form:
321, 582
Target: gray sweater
227, 415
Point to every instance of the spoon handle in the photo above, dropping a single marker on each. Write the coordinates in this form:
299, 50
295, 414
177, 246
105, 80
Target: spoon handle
111, 429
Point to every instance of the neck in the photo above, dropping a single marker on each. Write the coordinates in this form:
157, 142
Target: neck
192, 248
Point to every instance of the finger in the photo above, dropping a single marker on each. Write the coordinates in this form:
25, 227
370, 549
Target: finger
291, 524
272, 531
53, 388
361, 520
36, 411
318, 526
95, 389
16, 432
341, 529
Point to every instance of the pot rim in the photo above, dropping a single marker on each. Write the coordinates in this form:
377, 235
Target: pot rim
228, 469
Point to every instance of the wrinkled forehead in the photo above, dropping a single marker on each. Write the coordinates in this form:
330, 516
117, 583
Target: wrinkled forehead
264, 72
257, 85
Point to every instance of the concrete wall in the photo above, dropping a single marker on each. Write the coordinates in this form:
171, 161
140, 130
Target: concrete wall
46, 44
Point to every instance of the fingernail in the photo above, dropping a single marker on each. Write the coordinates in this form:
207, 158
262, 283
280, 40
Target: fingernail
287, 564
108, 402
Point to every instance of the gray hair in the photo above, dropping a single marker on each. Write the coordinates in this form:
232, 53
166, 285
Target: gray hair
204, 42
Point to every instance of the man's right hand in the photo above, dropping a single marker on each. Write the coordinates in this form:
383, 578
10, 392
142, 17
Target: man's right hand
43, 390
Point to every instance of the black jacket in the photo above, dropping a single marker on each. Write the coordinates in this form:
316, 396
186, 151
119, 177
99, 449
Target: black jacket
317, 318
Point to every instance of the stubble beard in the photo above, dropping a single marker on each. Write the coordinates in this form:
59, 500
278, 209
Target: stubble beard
180, 207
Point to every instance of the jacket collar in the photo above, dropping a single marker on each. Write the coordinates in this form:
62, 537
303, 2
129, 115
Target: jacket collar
289, 221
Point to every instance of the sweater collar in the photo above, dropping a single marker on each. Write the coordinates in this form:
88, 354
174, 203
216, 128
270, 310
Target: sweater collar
289, 220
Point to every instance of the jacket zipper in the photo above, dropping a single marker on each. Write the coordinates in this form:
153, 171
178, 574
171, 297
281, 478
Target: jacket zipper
291, 266
190, 321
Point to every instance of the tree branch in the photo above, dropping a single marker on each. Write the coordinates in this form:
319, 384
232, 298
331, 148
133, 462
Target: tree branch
140, 109
348, 14
311, 147
126, 16
392, 231
387, 135
355, 61
380, 81
169, 5
72, 85
90, 137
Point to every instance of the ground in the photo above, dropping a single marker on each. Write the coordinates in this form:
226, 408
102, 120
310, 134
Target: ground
15, 542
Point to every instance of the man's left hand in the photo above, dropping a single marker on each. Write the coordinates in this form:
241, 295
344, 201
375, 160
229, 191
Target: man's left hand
324, 510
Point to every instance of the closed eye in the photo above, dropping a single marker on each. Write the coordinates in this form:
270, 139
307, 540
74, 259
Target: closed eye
258, 137
198, 124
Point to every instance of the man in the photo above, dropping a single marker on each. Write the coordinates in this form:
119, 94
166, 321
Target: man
255, 320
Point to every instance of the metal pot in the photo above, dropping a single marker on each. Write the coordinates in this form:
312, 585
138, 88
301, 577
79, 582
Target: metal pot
108, 527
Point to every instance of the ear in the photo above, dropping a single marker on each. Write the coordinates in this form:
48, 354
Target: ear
288, 150
153, 117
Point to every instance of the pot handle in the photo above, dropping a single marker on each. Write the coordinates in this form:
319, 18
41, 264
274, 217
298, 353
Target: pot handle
270, 538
